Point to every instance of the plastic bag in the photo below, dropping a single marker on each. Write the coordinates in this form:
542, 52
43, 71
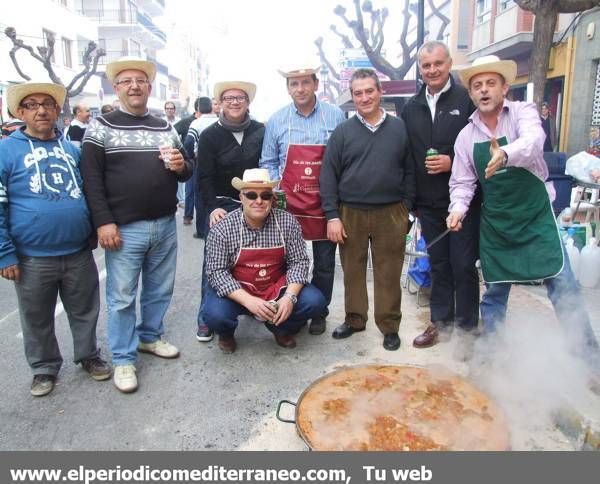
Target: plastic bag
584, 167
420, 269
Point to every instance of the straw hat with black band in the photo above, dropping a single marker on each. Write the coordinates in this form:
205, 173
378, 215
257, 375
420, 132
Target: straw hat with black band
254, 178
489, 63
248, 87
17, 92
113, 69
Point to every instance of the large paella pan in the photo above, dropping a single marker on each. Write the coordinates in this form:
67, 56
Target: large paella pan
397, 408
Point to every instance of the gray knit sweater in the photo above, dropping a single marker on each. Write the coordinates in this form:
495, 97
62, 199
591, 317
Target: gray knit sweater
367, 170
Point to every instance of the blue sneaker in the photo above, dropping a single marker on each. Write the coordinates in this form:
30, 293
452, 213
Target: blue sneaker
204, 333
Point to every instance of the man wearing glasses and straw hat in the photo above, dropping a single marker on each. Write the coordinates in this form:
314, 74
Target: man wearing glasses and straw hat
45, 232
257, 264
131, 163
502, 147
225, 149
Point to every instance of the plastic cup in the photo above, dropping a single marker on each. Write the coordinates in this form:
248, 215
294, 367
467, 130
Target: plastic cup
165, 151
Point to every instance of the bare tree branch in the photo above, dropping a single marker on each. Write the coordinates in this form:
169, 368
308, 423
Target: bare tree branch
88, 72
406, 57
44, 54
372, 40
324, 60
561, 6
47, 53
345, 39
445, 20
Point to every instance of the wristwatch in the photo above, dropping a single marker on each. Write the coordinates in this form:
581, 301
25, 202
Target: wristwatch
292, 297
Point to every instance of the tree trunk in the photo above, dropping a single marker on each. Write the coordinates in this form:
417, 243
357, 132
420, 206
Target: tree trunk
543, 32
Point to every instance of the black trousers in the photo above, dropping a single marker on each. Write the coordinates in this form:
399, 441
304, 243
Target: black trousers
454, 278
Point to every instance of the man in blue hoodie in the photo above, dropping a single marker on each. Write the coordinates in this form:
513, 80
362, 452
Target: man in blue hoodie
45, 231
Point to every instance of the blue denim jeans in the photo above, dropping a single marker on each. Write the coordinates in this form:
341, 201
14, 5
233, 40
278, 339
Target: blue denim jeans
324, 270
189, 198
221, 313
569, 306
228, 206
181, 191
149, 248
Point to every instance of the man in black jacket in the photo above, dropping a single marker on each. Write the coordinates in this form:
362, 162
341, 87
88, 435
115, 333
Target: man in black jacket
225, 149
434, 117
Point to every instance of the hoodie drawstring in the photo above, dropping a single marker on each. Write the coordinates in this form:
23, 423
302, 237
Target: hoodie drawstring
69, 165
37, 166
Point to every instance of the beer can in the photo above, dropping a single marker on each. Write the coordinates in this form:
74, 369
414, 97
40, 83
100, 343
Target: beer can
275, 305
431, 152
281, 201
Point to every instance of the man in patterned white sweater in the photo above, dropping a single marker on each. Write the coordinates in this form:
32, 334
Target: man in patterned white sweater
131, 191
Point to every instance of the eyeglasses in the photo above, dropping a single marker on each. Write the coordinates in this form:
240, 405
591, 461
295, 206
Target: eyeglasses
169, 109
130, 82
231, 99
266, 196
33, 106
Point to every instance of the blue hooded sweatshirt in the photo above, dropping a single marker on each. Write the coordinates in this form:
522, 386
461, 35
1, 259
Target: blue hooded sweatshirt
42, 208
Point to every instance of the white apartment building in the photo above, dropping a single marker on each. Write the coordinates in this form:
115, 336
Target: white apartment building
33, 21
120, 27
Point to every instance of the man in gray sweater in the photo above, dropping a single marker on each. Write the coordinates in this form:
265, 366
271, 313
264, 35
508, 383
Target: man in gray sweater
367, 188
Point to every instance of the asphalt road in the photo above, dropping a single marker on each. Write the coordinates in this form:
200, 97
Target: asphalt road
204, 400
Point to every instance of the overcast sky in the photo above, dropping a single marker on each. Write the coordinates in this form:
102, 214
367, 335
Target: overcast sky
251, 39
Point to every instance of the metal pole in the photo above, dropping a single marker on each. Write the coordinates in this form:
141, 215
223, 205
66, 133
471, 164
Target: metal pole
420, 33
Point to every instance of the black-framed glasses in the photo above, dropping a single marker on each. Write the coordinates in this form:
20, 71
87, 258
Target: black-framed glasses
130, 82
266, 196
231, 99
33, 106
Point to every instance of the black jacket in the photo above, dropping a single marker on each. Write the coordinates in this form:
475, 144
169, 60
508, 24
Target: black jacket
451, 115
220, 158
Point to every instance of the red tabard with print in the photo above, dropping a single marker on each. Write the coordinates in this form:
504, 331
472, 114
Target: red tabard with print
261, 271
300, 182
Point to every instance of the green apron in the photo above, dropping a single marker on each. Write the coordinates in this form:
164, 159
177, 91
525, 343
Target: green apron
519, 238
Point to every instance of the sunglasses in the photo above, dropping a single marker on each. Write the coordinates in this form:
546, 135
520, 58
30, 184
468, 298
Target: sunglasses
266, 196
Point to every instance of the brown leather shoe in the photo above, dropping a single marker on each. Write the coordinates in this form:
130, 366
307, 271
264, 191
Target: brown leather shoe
428, 338
285, 340
187, 220
227, 344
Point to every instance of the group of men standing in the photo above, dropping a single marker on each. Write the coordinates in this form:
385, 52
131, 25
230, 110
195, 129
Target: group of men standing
349, 182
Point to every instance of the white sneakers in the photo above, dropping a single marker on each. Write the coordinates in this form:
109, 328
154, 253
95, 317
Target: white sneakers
124, 375
125, 378
159, 348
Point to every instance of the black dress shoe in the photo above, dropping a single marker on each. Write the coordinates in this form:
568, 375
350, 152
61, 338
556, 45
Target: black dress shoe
344, 330
391, 341
317, 325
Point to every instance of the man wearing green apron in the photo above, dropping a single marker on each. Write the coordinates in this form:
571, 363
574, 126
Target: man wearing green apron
502, 147
292, 151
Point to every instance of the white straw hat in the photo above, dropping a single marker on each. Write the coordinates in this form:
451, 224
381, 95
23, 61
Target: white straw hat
489, 63
254, 178
125, 63
17, 92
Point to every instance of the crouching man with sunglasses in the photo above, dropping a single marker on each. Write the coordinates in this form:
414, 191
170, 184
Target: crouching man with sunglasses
257, 264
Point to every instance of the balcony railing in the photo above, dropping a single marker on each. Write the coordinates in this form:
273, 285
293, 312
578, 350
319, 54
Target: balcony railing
147, 22
120, 16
